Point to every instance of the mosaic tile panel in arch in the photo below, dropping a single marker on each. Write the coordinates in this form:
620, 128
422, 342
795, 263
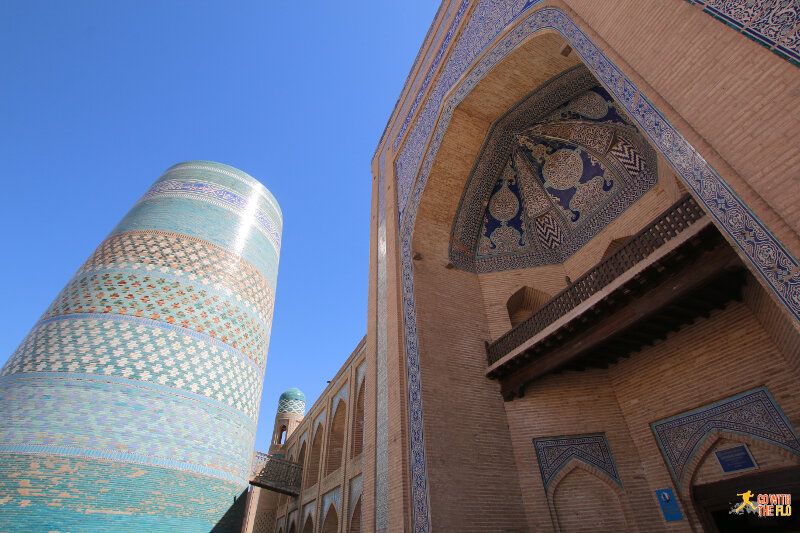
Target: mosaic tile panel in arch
132, 403
553, 173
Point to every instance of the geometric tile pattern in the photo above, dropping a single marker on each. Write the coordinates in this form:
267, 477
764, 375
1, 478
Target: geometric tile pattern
166, 300
233, 226
143, 352
292, 405
462, 9
562, 171
54, 493
215, 195
774, 25
153, 355
455, 79
554, 453
754, 413
381, 501
548, 232
186, 259
182, 429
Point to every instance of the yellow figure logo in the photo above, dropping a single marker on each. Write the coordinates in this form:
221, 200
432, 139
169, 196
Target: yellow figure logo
746, 501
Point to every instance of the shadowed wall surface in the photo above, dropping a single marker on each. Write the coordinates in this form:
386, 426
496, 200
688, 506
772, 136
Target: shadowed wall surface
132, 404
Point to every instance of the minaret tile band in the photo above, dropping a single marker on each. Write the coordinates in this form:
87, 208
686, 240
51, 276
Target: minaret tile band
132, 404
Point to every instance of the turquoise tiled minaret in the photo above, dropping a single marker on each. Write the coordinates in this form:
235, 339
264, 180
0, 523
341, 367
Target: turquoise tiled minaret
132, 404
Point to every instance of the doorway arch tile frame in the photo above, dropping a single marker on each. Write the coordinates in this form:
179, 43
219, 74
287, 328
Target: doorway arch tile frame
775, 265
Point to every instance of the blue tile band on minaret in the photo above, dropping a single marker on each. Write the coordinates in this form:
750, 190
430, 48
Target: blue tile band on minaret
132, 404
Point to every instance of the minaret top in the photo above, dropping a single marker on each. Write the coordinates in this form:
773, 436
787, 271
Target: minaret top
292, 401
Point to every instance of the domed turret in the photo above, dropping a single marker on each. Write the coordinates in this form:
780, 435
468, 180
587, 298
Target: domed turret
292, 401
291, 409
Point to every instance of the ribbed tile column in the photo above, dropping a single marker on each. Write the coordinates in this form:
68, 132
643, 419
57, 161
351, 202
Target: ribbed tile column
131, 406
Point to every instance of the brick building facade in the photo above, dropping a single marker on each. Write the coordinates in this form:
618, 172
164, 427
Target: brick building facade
584, 283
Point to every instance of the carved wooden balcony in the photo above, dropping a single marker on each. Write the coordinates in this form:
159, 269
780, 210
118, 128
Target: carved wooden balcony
676, 268
276, 473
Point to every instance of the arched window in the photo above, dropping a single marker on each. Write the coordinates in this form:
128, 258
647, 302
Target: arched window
524, 303
331, 524
312, 470
309, 527
357, 438
336, 438
301, 458
282, 435
355, 519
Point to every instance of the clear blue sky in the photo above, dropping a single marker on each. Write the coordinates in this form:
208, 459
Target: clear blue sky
98, 98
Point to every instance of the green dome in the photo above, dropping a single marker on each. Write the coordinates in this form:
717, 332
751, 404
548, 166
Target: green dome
293, 394
292, 401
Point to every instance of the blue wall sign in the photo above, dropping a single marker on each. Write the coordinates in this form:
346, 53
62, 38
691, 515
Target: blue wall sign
669, 505
735, 459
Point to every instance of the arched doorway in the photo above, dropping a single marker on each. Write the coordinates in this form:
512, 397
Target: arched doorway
577, 499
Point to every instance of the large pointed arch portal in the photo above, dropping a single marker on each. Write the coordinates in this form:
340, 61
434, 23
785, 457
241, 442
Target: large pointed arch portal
475, 52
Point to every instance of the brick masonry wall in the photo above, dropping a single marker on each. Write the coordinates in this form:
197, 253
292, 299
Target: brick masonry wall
731, 91
725, 94
716, 358
335, 488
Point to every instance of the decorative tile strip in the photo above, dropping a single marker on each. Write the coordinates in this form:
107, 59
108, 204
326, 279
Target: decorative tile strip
553, 454
754, 413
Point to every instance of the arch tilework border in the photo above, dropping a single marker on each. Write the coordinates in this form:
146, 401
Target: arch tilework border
754, 413
774, 25
554, 453
332, 497
341, 394
320, 420
291, 518
778, 268
309, 510
355, 487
